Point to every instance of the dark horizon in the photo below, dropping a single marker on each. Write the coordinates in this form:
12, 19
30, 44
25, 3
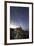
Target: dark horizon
19, 16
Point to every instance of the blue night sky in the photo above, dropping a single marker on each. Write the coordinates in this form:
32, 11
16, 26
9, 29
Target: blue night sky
19, 16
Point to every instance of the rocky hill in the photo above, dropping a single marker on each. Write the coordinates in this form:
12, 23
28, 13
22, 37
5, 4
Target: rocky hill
18, 33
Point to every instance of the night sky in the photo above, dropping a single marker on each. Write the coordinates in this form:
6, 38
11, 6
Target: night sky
19, 16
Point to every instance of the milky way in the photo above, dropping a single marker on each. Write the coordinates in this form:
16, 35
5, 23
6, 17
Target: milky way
19, 16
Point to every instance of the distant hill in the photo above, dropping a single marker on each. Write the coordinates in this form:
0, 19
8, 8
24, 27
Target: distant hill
18, 33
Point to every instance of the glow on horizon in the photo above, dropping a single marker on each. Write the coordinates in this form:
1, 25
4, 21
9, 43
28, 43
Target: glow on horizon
14, 26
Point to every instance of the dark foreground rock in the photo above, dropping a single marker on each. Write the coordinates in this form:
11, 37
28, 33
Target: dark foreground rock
18, 33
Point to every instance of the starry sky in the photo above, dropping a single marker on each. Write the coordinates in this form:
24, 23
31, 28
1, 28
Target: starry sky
19, 16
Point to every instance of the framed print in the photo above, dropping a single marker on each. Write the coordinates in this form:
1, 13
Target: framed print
18, 22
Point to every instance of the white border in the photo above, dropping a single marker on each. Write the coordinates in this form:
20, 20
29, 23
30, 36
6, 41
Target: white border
8, 23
